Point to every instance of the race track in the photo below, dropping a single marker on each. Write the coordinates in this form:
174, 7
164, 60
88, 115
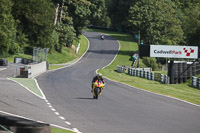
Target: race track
120, 108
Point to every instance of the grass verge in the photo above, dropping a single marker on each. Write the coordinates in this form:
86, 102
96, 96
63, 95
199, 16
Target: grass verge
127, 46
30, 84
54, 57
58, 130
67, 55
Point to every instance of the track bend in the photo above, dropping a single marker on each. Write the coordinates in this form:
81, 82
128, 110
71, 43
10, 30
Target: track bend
120, 108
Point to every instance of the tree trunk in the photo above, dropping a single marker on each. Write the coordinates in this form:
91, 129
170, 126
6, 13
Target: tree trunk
61, 10
56, 15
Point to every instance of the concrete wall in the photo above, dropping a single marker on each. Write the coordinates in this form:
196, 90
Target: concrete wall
29, 71
37, 69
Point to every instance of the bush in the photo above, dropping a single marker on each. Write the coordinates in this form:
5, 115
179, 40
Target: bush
150, 62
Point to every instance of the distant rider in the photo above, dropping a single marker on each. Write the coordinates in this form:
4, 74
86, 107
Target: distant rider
102, 36
97, 77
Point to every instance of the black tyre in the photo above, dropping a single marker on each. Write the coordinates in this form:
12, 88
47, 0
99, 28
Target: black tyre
96, 93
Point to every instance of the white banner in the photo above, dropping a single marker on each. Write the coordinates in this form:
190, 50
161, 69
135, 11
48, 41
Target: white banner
174, 51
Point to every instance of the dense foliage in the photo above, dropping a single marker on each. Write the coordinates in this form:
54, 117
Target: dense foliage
56, 23
157, 22
7, 28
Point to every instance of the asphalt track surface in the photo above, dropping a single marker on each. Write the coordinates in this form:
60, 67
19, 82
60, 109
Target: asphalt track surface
120, 108
17, 100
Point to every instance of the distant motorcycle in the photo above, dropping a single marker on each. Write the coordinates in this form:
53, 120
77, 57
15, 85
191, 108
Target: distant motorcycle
102, 37
97, 88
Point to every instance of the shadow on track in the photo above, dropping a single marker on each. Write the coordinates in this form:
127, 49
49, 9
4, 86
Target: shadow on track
86, 98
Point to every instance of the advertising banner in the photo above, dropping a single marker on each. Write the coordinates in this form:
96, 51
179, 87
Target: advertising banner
174, 51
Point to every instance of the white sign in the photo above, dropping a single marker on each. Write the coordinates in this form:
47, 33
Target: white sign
174, 51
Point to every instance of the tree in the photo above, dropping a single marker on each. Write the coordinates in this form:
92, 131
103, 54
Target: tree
191, 24
150, 62
158, 22
64, 27
79, 11
7, 28
36, 20
98, 14
118, 11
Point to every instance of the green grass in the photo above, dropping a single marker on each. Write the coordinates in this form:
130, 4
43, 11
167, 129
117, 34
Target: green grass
55, 57
52, 67
67, 53
162, 72
57, 130
10, 58
83, 46
29, 83
181, 91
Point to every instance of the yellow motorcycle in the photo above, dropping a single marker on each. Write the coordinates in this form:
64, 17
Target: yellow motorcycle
97, 88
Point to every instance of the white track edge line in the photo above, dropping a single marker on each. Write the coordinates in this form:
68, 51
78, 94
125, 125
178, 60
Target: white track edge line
76, 60
54, 125
62, 127
3, 69
44, 97
26, 88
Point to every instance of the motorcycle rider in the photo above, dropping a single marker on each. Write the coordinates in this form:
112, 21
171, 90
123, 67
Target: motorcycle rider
97, 77
102, 36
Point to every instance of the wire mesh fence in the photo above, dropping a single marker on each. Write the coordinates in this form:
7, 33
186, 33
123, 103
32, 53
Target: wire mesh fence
40, 54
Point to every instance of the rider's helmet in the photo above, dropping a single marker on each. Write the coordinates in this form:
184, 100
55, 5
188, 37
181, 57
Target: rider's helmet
99, 75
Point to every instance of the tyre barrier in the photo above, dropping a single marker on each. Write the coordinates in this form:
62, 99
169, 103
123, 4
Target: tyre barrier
148, 75
144, 73
22, 60
196, 82
20, 125
121, 69
3, 62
